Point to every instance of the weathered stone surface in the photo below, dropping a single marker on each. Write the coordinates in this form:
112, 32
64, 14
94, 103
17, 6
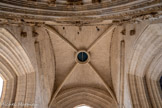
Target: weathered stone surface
70, 12
40, 40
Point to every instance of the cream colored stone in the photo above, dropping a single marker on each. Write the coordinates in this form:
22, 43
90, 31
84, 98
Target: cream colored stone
38, 50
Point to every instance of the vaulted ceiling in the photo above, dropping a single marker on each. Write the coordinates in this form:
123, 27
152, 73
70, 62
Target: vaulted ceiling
40, 66
40, 43
93, 74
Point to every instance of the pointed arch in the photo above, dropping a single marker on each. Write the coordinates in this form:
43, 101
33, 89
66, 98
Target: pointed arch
145, 68
16, 70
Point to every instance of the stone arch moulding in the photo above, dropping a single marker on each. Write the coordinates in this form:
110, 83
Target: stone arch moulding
145, 68
61, 11
17, 72
89, 96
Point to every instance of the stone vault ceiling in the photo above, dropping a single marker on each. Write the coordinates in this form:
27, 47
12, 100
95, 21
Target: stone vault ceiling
43, 69
72, 74
41, 41
76, 11
39, 65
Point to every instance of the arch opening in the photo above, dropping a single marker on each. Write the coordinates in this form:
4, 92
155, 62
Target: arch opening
1, 86
82, 106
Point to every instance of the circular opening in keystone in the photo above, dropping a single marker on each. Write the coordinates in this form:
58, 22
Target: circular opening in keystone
82, 56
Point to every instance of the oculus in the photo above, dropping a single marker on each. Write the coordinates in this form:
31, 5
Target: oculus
82, 57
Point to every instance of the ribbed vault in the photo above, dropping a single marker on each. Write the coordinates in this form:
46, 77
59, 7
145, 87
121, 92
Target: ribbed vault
39, 63
94, 73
